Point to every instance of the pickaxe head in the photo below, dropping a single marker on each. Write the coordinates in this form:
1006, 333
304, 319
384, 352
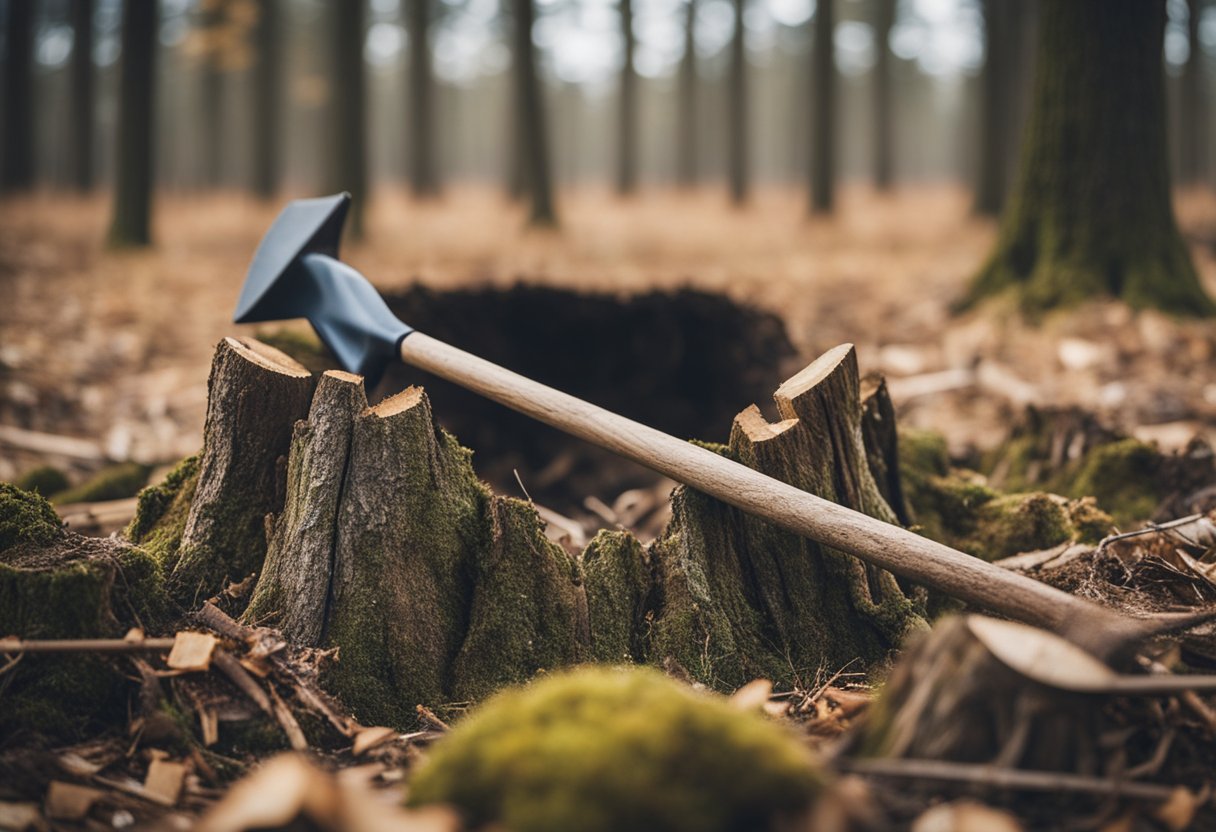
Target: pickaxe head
296, 274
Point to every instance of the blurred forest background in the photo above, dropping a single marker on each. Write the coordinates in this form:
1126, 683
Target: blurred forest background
834, 168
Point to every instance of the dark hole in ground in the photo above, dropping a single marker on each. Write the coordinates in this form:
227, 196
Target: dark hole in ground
685, 362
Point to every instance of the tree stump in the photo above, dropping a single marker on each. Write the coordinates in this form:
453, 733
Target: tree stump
255, 395
294, 585
742, 598
58, 585
435, 590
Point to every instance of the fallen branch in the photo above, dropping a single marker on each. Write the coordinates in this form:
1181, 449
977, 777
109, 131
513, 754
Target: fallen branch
1011, 779
85, 645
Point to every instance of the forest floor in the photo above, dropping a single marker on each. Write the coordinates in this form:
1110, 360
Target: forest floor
114, 346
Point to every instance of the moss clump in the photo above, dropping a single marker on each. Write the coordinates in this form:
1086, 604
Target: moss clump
115, 482
1121, 476
956, 507
161, 512
26, 517
612, 749
60, 586
47, 480
618, 580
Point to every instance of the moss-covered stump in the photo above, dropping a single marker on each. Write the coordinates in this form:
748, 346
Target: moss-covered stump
1069, 452
741, 598
612, 749
958, 508
54, 585
47, 480
293, 589
255, 396
441, 591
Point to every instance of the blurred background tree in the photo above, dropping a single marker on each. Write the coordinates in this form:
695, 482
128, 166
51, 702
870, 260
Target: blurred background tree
304, 96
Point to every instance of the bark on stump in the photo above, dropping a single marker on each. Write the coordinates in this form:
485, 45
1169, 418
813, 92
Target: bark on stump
437, 591
255, 395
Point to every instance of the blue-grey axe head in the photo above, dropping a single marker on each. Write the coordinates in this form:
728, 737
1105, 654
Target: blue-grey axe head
296, 274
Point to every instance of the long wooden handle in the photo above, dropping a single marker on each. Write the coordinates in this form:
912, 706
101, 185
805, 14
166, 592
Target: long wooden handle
890, 547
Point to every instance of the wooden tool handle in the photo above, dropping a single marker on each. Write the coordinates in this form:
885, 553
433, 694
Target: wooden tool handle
887, 546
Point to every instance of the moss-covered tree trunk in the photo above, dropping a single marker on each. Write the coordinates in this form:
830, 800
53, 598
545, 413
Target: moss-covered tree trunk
1091, 213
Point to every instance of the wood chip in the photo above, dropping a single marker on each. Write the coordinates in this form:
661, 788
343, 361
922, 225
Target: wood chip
20, 816
209, 726
164, 781
192, 651
753, 696
369, 738
69, 801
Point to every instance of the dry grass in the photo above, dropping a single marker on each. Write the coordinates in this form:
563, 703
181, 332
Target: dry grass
116, 344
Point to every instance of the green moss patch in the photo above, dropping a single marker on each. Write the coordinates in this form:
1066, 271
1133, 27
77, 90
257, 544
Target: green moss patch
612, 749
67, 587
47, 480
115, 482
161, 512
26, 517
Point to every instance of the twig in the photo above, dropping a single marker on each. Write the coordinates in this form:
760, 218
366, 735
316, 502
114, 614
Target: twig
1151, 527
240, 677
428, 716
1006, 778
84, 645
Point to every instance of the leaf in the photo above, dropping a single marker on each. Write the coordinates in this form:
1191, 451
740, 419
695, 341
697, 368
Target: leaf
1041, 656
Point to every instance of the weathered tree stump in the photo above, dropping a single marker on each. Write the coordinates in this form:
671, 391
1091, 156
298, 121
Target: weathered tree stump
294, 585
742, 598
58, 585
255, 395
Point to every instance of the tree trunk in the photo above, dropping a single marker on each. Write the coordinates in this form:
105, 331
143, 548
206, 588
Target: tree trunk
686, 145
348, 118
211, 112
267, 100
737, 126
1091, 215
133, 175
82, 95
627, 116
996, 106
255, 395
1194, 109
424, 180
17, 140
533, 136
883, 116
823, 111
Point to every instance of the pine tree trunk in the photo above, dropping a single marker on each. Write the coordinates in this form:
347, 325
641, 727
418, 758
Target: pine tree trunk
823, 110
996, 106
133, 185
1194, 109
627, 116
349, 110
533, 136
1091, 215
267, 100
686, 143
82, 95
211, 113
17, 139
883, 116
737, 126
424, 180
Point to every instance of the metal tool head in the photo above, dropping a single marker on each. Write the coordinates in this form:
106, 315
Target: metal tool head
296, 274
